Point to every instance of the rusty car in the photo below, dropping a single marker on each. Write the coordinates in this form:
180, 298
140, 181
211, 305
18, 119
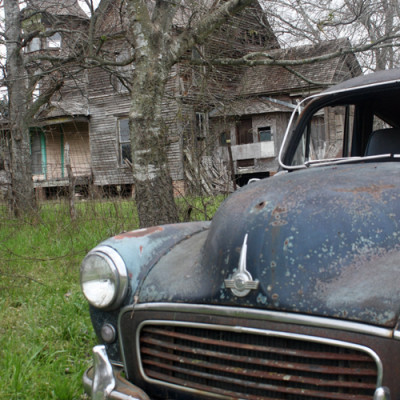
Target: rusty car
290, 292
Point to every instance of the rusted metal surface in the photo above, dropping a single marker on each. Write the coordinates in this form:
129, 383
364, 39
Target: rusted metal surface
122, 388
309, 248
139, 233
233, 366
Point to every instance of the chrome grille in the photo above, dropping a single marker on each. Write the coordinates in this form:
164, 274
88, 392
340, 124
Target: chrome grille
250, 364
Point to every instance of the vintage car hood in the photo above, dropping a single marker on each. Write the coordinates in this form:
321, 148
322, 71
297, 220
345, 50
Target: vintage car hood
323, 242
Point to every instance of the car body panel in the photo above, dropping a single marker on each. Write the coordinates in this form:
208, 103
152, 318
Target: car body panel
308, 248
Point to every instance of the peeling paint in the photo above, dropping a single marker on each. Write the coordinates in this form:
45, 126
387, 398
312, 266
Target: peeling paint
139, 233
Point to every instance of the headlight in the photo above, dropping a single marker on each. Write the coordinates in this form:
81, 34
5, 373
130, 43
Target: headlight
104, 279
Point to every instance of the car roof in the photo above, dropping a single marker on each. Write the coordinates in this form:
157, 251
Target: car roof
376, 78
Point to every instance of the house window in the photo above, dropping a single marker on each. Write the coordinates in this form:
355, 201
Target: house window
54, 41
201, 125
244, 131
223, 138
123, 73
125, 150
245, 163
4, 149
38, 152
265, 134
33, 45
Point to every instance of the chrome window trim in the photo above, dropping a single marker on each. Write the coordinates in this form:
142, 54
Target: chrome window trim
240, 329
265, 315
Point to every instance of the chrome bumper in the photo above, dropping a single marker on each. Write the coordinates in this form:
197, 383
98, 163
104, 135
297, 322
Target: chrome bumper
104, 381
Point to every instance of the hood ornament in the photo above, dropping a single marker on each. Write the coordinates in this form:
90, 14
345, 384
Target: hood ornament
242, 282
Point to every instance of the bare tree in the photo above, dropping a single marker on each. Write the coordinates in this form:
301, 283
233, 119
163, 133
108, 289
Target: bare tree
33, 74
157, 44
19, 121
372, 26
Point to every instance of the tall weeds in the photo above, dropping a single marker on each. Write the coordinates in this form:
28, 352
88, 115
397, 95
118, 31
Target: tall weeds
45, 330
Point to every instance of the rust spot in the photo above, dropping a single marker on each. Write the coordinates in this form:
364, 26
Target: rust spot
374, 190
279, 222
140, 232
261, 205
141, 249
279, 210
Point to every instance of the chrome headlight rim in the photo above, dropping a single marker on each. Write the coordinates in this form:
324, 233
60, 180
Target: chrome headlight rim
118, 269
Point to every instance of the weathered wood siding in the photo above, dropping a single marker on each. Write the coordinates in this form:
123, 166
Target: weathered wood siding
76, 135
188, 90
107, 106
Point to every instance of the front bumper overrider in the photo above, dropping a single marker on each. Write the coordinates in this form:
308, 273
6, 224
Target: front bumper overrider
105, 381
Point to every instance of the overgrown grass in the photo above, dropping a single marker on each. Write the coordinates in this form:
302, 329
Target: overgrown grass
45, 331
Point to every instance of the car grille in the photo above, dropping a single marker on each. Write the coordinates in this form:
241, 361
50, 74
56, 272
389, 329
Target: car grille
251, 364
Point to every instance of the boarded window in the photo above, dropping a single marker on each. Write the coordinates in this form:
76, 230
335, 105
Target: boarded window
125, 152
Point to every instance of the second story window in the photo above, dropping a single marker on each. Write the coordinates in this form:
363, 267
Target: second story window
201, 125
124, 141
33, 45
122, 76
54, 41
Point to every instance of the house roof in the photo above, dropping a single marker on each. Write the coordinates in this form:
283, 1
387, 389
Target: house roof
272, 79
57, 7
260, 105
65, 108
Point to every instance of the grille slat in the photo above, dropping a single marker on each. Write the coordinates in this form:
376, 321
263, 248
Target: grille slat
266, 349
254, 361
255, 365
239, 372
302, 393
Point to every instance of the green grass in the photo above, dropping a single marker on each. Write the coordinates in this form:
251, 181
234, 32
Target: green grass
45, 330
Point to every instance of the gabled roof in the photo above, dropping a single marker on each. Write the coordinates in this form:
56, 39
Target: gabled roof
278, 80
58, 7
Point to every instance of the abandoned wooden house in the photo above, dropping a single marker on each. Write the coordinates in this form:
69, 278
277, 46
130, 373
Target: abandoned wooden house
205, 108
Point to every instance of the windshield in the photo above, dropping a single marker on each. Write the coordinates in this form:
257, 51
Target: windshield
343, 129
326, 136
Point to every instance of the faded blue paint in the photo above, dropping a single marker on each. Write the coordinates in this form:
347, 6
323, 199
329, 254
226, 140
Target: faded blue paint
314, 251
141, 249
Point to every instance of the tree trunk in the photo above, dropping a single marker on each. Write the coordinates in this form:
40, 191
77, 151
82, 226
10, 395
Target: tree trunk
22, 194
153, 184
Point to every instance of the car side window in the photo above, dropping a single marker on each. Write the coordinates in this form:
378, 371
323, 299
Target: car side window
326, 136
